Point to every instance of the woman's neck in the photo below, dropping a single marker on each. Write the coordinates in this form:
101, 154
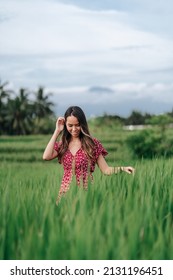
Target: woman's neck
75, 139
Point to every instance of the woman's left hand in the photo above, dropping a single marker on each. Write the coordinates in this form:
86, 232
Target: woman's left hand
128, 169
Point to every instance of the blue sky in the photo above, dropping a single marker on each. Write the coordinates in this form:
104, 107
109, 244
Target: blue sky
105, 56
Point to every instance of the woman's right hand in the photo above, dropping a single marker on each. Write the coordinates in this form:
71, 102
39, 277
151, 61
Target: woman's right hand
60, 124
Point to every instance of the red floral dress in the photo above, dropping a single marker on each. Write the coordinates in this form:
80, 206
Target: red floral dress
79, 165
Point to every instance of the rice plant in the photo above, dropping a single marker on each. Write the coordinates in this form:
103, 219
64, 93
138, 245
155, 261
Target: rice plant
119, 217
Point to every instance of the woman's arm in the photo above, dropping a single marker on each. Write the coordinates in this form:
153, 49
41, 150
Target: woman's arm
108, 170
50, 152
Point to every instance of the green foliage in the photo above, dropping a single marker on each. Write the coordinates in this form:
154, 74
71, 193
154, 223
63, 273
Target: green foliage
32, 227
160, 120
120, 216
19, 114
43, 125
106, 121
149, 143
137, 118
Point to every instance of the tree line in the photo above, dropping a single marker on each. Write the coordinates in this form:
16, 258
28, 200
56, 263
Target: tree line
32, 112
25, 112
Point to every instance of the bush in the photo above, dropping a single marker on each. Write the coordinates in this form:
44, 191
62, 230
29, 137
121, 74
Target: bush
148, 144
44, 126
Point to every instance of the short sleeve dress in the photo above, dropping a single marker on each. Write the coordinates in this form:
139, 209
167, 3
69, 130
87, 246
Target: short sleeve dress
78, 165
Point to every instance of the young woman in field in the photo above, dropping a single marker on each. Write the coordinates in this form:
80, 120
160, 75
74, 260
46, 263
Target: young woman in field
78, 151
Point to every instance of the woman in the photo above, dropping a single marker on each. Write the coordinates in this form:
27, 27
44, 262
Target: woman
77, 150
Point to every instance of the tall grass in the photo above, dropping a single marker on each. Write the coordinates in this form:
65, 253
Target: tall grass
119, 217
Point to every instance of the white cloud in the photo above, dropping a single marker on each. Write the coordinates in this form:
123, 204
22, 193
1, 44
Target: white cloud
71, 49
50, 27
118, 93
44, 27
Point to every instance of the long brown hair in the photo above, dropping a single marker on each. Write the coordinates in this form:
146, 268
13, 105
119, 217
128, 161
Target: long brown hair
85, 137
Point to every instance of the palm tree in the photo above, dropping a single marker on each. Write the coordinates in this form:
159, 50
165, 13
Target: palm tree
19, 117
42, 105
4, 96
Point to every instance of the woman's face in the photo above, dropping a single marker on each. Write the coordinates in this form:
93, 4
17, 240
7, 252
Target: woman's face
73, 126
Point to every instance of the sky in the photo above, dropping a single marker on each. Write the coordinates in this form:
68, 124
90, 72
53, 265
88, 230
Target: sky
108, 57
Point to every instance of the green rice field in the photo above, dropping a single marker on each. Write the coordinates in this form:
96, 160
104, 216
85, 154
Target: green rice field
119, 217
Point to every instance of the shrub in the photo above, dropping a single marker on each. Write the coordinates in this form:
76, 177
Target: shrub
148, 144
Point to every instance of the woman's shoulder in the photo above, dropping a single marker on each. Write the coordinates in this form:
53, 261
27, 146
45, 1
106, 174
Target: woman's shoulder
99, 149
96, 141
